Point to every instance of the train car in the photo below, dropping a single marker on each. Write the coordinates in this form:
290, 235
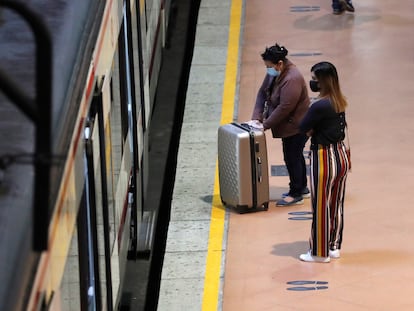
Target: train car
91, 67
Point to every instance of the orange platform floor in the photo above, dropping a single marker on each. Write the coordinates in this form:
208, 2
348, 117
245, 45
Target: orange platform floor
373, 50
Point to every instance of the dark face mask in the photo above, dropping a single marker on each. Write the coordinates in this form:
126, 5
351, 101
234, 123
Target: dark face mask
314, 86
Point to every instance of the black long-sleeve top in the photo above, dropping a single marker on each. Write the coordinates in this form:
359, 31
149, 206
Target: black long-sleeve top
328, 126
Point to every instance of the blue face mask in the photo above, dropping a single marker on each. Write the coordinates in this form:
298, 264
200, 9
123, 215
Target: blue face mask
272, 72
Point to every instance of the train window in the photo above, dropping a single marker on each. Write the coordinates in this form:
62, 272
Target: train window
147, 13
110, 119
115, 138
138, 61
126, 88
117, 125
122, 106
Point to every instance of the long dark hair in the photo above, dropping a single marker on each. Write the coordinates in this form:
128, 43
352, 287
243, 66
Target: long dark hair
328, 80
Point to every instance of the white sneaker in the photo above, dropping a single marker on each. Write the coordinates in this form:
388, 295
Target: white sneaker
336, 253
309, 258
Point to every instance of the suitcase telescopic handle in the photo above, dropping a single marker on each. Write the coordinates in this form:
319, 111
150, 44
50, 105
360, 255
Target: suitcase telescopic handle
259, 169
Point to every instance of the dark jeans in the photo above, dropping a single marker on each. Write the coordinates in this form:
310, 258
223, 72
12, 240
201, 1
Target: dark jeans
337, 5
295, 162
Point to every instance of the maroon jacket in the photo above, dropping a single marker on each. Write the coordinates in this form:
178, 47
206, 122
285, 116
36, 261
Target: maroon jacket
289, 102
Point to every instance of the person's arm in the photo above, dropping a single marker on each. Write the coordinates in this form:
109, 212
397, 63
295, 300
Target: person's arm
290, 92
260, 99
312, 117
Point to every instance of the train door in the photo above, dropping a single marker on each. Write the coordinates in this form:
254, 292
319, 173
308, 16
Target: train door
87, 279
95, 218
127, 88
139, 29
120, 128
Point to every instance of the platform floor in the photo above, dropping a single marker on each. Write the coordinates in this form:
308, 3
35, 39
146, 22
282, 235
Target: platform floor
217, 259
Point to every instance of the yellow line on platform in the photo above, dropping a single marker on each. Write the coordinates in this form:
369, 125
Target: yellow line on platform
215, 241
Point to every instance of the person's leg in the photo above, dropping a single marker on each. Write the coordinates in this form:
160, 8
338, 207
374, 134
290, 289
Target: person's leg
295, 163
338, 6
320, 185
337, 200
337, 216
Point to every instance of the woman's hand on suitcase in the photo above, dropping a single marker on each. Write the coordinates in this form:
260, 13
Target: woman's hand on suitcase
256, 124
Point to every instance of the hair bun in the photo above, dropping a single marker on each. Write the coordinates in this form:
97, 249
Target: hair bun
275, 53
284, 51
281, 50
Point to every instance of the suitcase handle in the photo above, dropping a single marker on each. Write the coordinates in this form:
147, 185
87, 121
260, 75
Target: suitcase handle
259, 169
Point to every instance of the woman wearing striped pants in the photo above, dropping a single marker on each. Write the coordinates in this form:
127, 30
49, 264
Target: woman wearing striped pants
325, 123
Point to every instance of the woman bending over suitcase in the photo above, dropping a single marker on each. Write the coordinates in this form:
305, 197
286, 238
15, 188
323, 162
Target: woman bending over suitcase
325, 122
281, 103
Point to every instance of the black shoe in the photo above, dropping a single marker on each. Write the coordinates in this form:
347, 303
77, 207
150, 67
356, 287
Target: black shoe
347, 5
338, 11
305, 193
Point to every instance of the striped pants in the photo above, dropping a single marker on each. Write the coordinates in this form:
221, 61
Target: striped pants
329, 169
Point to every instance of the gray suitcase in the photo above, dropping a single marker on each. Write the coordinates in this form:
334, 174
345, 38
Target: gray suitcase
243, 168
